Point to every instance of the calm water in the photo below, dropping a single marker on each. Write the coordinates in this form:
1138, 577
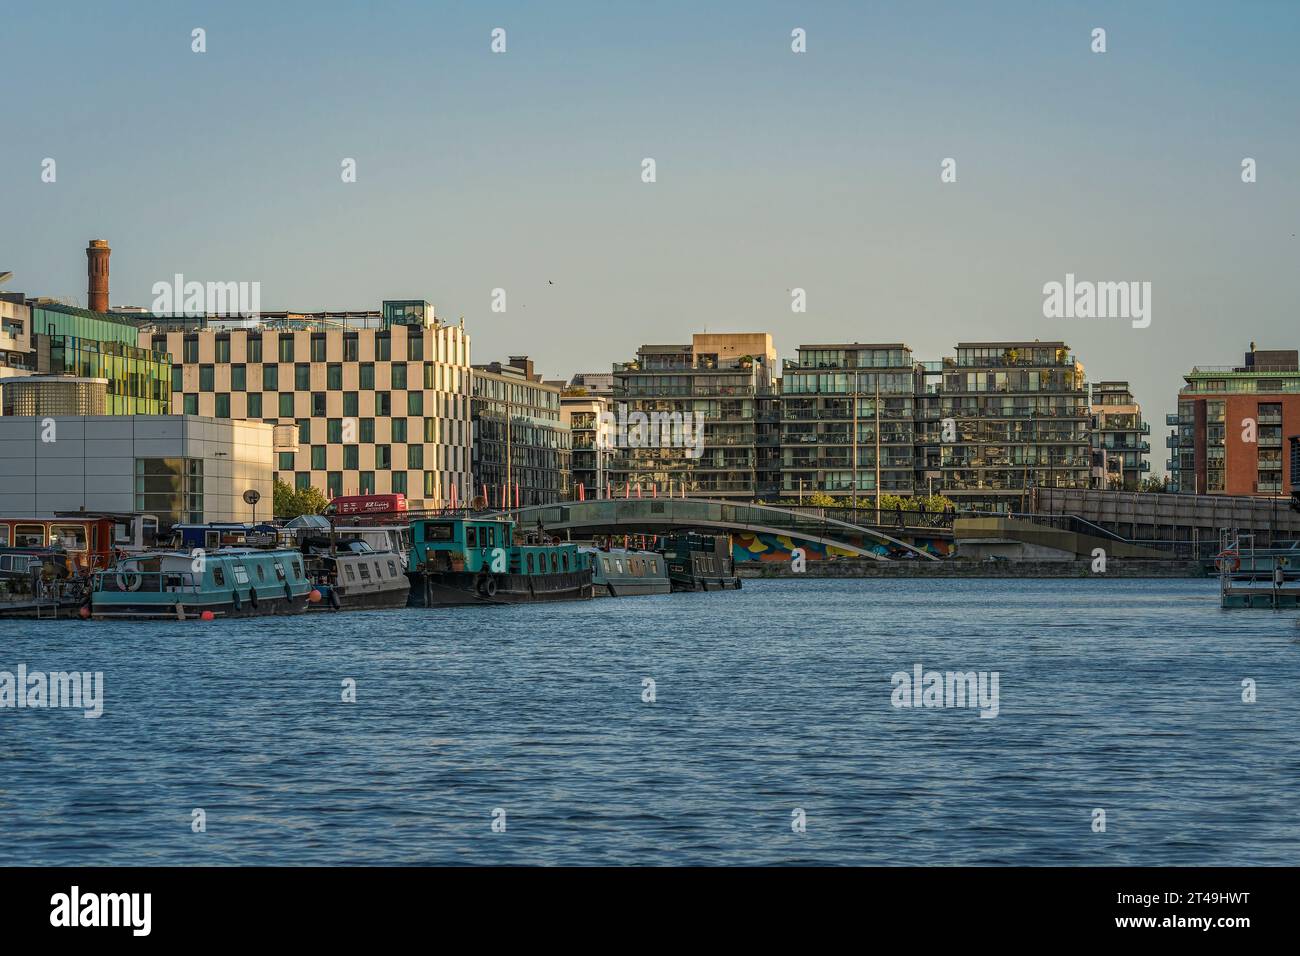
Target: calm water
1124, 695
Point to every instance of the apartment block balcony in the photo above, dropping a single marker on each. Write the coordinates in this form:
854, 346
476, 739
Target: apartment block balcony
1171, 441
1171, 418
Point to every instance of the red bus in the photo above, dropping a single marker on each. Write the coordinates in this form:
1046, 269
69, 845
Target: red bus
366, 504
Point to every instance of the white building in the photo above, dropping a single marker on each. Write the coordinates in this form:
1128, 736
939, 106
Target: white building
177, 467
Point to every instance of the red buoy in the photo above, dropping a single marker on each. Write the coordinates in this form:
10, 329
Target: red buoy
85, 613
207, 616
314, 596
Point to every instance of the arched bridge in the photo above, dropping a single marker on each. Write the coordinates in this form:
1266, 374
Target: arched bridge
660, 515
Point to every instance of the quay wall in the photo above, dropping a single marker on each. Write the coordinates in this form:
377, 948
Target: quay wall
865, 568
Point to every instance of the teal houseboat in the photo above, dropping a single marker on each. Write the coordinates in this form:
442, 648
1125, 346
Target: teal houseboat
230, 582
620, 572
456, 561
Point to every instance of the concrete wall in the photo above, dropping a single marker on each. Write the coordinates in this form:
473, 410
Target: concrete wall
69, 463
852, 568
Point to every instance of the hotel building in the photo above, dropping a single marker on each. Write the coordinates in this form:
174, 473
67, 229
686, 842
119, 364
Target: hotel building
365, 402
1237, 429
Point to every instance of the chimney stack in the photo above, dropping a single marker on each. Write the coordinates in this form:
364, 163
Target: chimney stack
97, 254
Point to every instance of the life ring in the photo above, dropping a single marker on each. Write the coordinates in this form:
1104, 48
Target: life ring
490, 588
129, 580
334, 598
235, 601
252, 597
1229, 561
480, 583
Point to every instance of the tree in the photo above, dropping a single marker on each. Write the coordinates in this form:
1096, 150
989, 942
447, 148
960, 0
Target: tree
819, 499
1154, 484
290, 503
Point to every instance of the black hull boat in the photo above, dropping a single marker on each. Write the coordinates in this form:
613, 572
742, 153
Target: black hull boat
701, 562
459, 588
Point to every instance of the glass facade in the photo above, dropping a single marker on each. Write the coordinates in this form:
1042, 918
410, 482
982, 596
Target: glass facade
171, 488
89, 345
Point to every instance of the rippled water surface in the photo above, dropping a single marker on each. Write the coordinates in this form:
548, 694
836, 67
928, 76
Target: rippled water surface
1122, 695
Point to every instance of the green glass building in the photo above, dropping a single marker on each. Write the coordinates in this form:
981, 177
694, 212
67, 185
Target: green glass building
73, 341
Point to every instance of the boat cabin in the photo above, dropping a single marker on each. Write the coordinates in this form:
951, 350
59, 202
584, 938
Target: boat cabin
487, 544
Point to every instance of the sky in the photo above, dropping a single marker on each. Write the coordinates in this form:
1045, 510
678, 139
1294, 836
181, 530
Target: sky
775, 170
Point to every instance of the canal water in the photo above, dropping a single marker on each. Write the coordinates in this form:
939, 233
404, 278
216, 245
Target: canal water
771, 706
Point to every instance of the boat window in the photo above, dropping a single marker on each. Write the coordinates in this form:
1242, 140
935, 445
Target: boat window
379, 572
528, 561
29, 535
564, 561
4, 536
279, 571
71, 537
365, 572
261, 574
471, 537
605, 562
297, 568
437, 532
392, 569
351, 574
218, 576
241, 574
618, 563
6, 563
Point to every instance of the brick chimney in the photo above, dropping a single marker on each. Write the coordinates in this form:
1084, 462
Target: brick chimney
97, 254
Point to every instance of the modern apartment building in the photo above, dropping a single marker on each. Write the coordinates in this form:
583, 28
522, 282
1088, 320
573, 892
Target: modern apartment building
521, 444
725, 382
1237, 429
1017, 417
367, 402
15, 336
848, 421
1120, 438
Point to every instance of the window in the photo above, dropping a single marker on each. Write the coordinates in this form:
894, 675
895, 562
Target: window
414, 456
279, 571
218, 576
392, 569
178, 377
398, 481
222, 405
318, 347
350, 349
191, 403
254, 344
334, 377
414, 348
367, 482
190, 349
286, 460
286, 347
302, 376
241, 574
367, 372
383, 404
318, 457
351, 456
415, 403
69, 537
398, 375
222, 345
528, 562
286, 404
430, 484
383, 457
471, 537
367, 431
351, 404
398, 430
270, 378
383, 347
334, 431
254, 405
364, 571
318, 404
302, 481
304, 431
206, 376
238, 377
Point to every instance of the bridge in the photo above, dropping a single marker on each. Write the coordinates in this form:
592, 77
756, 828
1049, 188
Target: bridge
662, 515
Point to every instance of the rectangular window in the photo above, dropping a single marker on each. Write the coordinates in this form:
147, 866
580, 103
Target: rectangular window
302, 376
351, 404
286, 460
431, 486
318, 404
191, 404
334, 377
414, 456
223, 349
383, 347
318, 457
415, 403
351, 456
270, 378
367, 372
318, 346
254, 405
383, 457
367, 481
350, 348
398, 375
223, 405
238, 377
367, 431
302, 480
398, 430
414, 347
286, 404
190, 349
254, 344
178, 377
334, 431
286, 347
383, 404
206, 376
398, 481
304, 431
334, 484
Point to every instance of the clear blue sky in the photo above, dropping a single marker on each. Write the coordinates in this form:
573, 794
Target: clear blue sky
775, 170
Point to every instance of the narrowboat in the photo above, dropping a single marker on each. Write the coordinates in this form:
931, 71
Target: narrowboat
456, 561
231, 582
391, 536
700, 562
619, 572
352, 577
